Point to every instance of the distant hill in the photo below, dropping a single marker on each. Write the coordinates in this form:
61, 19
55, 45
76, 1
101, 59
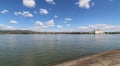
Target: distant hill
16, 32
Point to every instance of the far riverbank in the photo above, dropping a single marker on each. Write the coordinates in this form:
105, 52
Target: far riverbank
53, 32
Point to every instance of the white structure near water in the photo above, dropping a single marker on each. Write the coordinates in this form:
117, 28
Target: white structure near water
98, 32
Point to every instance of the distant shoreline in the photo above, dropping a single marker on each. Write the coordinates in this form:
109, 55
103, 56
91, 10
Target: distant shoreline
32, 32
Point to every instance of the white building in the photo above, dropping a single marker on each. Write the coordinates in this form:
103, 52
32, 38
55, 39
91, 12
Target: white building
98, 32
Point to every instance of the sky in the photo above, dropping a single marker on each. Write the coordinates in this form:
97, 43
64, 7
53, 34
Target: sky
60, 15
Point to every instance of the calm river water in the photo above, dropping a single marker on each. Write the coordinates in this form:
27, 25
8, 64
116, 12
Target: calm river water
40, 49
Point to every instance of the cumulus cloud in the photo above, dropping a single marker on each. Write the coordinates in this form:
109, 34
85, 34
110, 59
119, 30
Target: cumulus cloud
5, 27
59, 26
50, 23
50, 1
27, 14
43, 11
13, 22
68, 19
104, 27
4, 11
17, 13
84, 3
29, 3
24, 13
40, 24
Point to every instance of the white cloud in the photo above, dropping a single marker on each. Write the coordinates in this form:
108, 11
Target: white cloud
29, 3
27, 14
68, 19
17, 13
50, 1
4, 11
50, 23
24, 13
84, 3
5, 27
55, 16
13, 22
43, 11
101, 26
104, 27
39, 23
59, 26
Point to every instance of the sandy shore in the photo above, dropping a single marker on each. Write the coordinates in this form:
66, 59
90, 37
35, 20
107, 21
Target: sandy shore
109, 58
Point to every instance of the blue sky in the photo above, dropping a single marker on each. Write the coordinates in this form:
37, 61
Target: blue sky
60, 15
